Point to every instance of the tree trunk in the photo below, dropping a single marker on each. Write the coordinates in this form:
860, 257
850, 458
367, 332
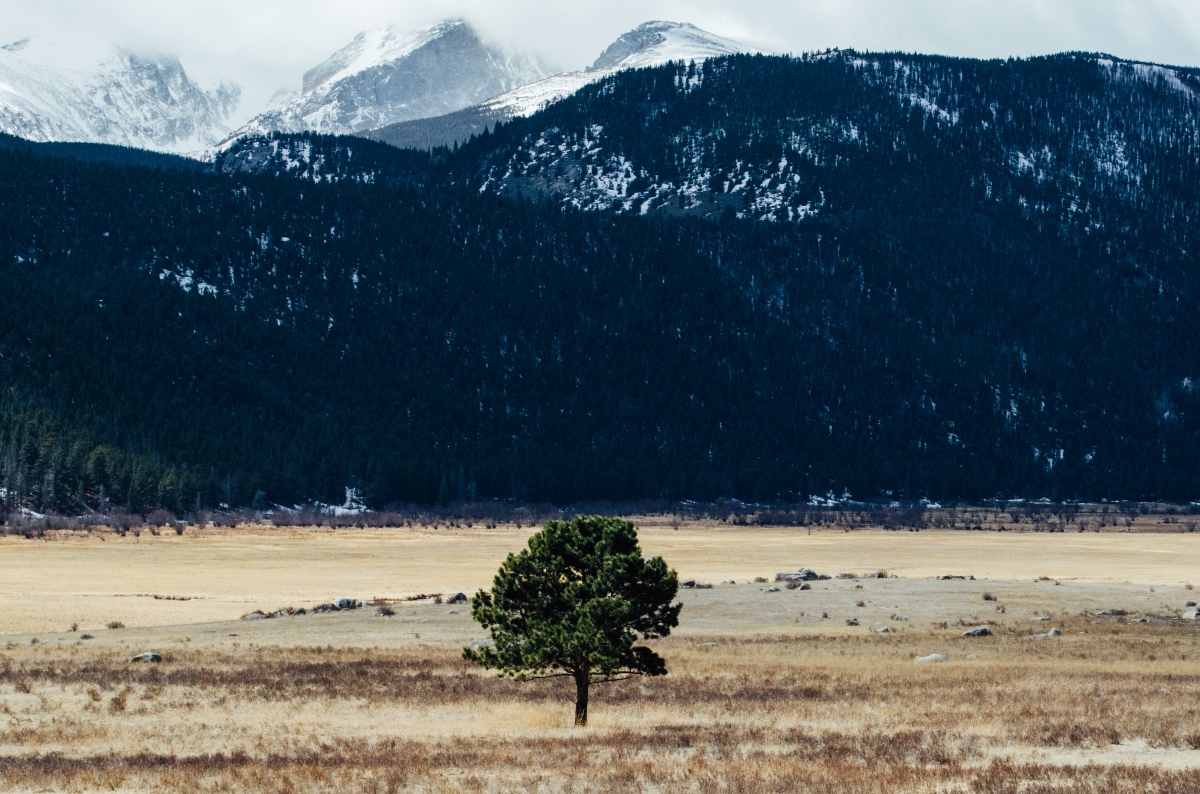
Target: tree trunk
582, 681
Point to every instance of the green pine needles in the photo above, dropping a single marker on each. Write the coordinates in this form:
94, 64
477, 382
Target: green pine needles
574, 603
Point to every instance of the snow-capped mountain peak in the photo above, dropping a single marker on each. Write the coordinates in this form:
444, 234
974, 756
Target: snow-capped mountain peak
119, 98
373, 48
390, 75
649, 44
655, 43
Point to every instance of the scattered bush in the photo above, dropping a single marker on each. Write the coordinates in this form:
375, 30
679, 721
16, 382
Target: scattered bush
989, 597
116, 624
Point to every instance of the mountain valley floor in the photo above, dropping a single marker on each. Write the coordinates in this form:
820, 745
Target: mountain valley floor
767, 691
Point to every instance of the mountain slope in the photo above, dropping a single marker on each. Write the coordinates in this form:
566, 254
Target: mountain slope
388, 75
650, 44
124, 99
1076, 139
993, 294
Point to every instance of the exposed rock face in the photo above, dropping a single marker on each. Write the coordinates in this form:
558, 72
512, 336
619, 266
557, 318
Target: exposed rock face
387, 76
124, 99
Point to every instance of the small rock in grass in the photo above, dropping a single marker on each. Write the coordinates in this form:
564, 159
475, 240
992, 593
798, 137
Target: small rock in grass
345, 603
760, 579
1047, 635
982, 631
1192, 614
900, 618
772, 589
86, 637
257, 614
851, 621
883, 630
147, 657
933, 657
477, 644
707, 645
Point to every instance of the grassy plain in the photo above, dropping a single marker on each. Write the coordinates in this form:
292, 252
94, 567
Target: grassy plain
768, 691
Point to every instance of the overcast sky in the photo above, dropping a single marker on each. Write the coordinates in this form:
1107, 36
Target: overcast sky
264, 45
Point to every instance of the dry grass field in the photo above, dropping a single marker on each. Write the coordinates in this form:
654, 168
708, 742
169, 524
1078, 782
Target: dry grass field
768, 691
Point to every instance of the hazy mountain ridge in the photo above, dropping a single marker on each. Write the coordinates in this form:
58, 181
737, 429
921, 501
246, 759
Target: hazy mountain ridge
124, 99
389, 75
650, 44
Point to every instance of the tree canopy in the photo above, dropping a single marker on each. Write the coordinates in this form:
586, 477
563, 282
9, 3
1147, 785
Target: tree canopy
574, 603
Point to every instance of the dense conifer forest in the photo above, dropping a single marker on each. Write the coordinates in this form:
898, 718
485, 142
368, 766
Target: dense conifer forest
939, 277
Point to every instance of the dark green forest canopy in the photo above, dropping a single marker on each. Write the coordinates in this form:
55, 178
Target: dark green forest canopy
176, 338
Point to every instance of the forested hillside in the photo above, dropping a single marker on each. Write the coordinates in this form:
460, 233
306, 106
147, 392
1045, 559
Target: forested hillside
929, 293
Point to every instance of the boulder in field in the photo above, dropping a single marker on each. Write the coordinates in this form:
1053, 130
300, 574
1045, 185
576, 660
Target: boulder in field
802, 574
933, 657
148, 657
982, 631
257, 614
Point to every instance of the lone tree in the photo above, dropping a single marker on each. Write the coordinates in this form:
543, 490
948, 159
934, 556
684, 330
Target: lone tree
573, 604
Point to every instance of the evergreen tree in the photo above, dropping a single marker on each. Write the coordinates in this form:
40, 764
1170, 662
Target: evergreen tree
574, 603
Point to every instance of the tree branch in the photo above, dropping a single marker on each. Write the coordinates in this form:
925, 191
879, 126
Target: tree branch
548, 675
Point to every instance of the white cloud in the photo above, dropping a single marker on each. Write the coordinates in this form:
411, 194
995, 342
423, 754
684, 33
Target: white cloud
268, 44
